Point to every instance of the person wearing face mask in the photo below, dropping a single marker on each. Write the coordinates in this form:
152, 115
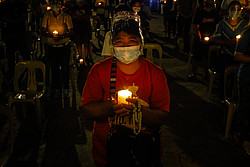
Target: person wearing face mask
225, 4
119, 125
225, 37
57, 26
136, 6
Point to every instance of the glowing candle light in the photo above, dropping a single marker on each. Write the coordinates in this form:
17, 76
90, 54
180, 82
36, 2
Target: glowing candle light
206, 38
123, 95
55, 33
81, 61
48, 8
175, 0
238, 36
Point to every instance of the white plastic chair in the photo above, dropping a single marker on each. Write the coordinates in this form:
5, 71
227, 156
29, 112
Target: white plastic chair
150, 47
30, 94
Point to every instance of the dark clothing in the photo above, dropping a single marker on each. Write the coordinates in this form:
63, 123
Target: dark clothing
225, 31
206, 22
186, 6
142, 150
169, 14
200, 50
243, 110
183, 26
82, 26
206, 27
243, 46
58, 61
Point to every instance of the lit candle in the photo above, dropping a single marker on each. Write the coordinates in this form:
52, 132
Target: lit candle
238, 36
48, 8
175, 0
123, 95
206, 38
81, 61
55, 32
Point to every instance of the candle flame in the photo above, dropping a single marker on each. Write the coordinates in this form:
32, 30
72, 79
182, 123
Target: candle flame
48, 8
206, 38
81, 61
55, 32
238, 36
123, 95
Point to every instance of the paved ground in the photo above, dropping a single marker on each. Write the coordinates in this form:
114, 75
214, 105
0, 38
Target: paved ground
191, 137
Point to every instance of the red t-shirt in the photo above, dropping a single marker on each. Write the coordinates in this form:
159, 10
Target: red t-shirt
151, 85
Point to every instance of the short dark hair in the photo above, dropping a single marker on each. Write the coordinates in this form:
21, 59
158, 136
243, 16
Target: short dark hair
234, 3
133, 2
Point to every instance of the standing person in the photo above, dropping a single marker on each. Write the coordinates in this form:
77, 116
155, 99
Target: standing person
225, 36
145, 8
205, 22
58, 27
82, 29
135, 6
129, 142
186, 9
169, 13
242, 55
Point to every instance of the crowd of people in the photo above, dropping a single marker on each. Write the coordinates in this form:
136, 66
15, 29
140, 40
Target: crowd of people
137, 120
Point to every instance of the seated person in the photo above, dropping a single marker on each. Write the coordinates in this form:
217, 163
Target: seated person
225, 36
205, 22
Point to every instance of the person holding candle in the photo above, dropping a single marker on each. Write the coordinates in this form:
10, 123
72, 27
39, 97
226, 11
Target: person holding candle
126, 134
205, 22
57, 26
241, 128
225, 37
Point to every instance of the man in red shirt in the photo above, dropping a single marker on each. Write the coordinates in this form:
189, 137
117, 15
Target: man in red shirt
126, 70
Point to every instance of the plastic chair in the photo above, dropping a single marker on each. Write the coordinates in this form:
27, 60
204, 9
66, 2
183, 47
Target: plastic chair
190, 58
150, 47
230, 95
32, 93
212, 72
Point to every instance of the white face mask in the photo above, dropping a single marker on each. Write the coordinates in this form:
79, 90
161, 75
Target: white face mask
128, 54
136, 9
